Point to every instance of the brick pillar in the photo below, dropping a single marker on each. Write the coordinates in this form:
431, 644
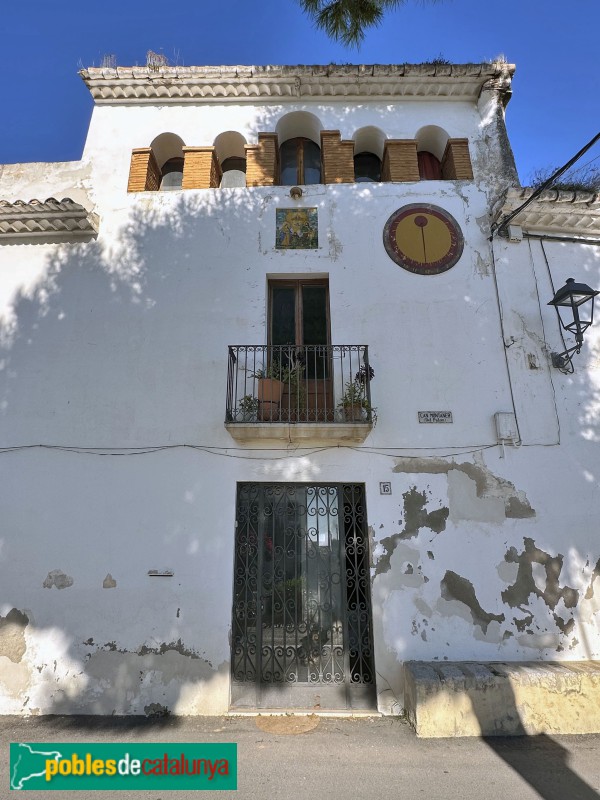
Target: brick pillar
337, 158
262, 161
400, 160
456, 162
144, 174
201, 168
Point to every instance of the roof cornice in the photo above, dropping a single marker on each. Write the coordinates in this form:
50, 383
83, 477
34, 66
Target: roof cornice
39, 219
555, 211
180, 85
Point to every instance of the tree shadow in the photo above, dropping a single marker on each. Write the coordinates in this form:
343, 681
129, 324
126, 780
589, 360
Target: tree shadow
94, 632
116, 725
544, 764
97, 435
538, 758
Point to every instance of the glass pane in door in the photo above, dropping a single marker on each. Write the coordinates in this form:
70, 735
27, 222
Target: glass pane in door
283, 315
314, 329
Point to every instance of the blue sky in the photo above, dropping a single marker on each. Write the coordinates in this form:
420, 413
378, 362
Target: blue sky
46, 107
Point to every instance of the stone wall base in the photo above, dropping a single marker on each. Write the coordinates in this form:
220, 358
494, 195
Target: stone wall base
467, 698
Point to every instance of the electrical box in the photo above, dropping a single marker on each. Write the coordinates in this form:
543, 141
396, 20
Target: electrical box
506, 427
515, 233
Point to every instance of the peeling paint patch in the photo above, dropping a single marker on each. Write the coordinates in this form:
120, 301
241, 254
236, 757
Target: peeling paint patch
118, 682
371, 535
565, 627
466, 504
109, 582
595, 574
12, 635
336, 248
539, 641
415, 517
156, 710
488, 485
112, 648
57, 578
524, 586
455, 587
522, 624
163, 648
422, 606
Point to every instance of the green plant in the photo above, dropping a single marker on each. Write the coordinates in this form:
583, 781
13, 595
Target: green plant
248, 405
355, 392
275, 371
354, 395
290, 373
438, 60
582, 179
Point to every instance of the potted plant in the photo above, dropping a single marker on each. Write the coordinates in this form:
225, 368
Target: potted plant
354, 402
294, 393
270, 390
274, 380
248, 408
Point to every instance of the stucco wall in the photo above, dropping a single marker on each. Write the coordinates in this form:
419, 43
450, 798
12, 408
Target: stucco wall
122, 343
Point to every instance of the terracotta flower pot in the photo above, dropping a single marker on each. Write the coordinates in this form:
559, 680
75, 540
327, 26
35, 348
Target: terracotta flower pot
270, 392
354, 413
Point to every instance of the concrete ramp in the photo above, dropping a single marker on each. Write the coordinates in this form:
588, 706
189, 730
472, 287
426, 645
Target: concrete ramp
467, 698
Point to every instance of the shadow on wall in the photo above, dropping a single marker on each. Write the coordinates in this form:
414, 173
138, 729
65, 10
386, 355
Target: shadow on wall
538, 759
85, 356
82, 648
95, 299
60, 370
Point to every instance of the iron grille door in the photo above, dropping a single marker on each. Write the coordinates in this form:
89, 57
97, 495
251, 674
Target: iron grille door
301, 631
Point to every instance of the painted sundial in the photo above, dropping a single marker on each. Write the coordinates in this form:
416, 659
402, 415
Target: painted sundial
423, 239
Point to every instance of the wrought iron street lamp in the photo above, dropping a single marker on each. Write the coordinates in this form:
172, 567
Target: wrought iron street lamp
578, 297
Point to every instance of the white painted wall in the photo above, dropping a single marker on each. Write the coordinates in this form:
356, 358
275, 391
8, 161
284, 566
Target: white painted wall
122, 343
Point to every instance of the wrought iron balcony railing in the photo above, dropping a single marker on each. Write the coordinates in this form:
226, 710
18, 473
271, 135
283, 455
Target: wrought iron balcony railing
307, 383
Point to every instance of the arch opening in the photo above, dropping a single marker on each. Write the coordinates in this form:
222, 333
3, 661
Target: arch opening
231, 154
168, 153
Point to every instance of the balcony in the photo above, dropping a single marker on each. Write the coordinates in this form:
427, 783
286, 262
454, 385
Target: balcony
299, 392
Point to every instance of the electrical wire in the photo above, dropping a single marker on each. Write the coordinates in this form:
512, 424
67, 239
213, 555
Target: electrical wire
501, 315
570, 239
561, 369
537, 292
224, 452
501, 224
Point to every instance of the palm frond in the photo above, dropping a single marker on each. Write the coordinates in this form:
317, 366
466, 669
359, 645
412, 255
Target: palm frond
346, 20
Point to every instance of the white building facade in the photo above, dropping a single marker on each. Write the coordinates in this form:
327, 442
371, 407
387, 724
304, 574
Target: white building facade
423, 487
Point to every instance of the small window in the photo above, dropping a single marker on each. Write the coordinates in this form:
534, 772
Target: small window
234, 173
234, 162
300, 162
430, 168
171, 175
367, 168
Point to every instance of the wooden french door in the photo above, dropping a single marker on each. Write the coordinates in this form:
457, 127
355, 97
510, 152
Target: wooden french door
299, 318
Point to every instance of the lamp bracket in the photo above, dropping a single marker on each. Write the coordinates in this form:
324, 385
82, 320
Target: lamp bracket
565, 359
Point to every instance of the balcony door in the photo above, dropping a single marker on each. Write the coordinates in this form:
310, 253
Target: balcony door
299, 325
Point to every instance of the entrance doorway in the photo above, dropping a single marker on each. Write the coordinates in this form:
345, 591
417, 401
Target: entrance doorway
301, 629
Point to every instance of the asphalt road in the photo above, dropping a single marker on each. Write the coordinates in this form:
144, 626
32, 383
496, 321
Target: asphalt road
338, 759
